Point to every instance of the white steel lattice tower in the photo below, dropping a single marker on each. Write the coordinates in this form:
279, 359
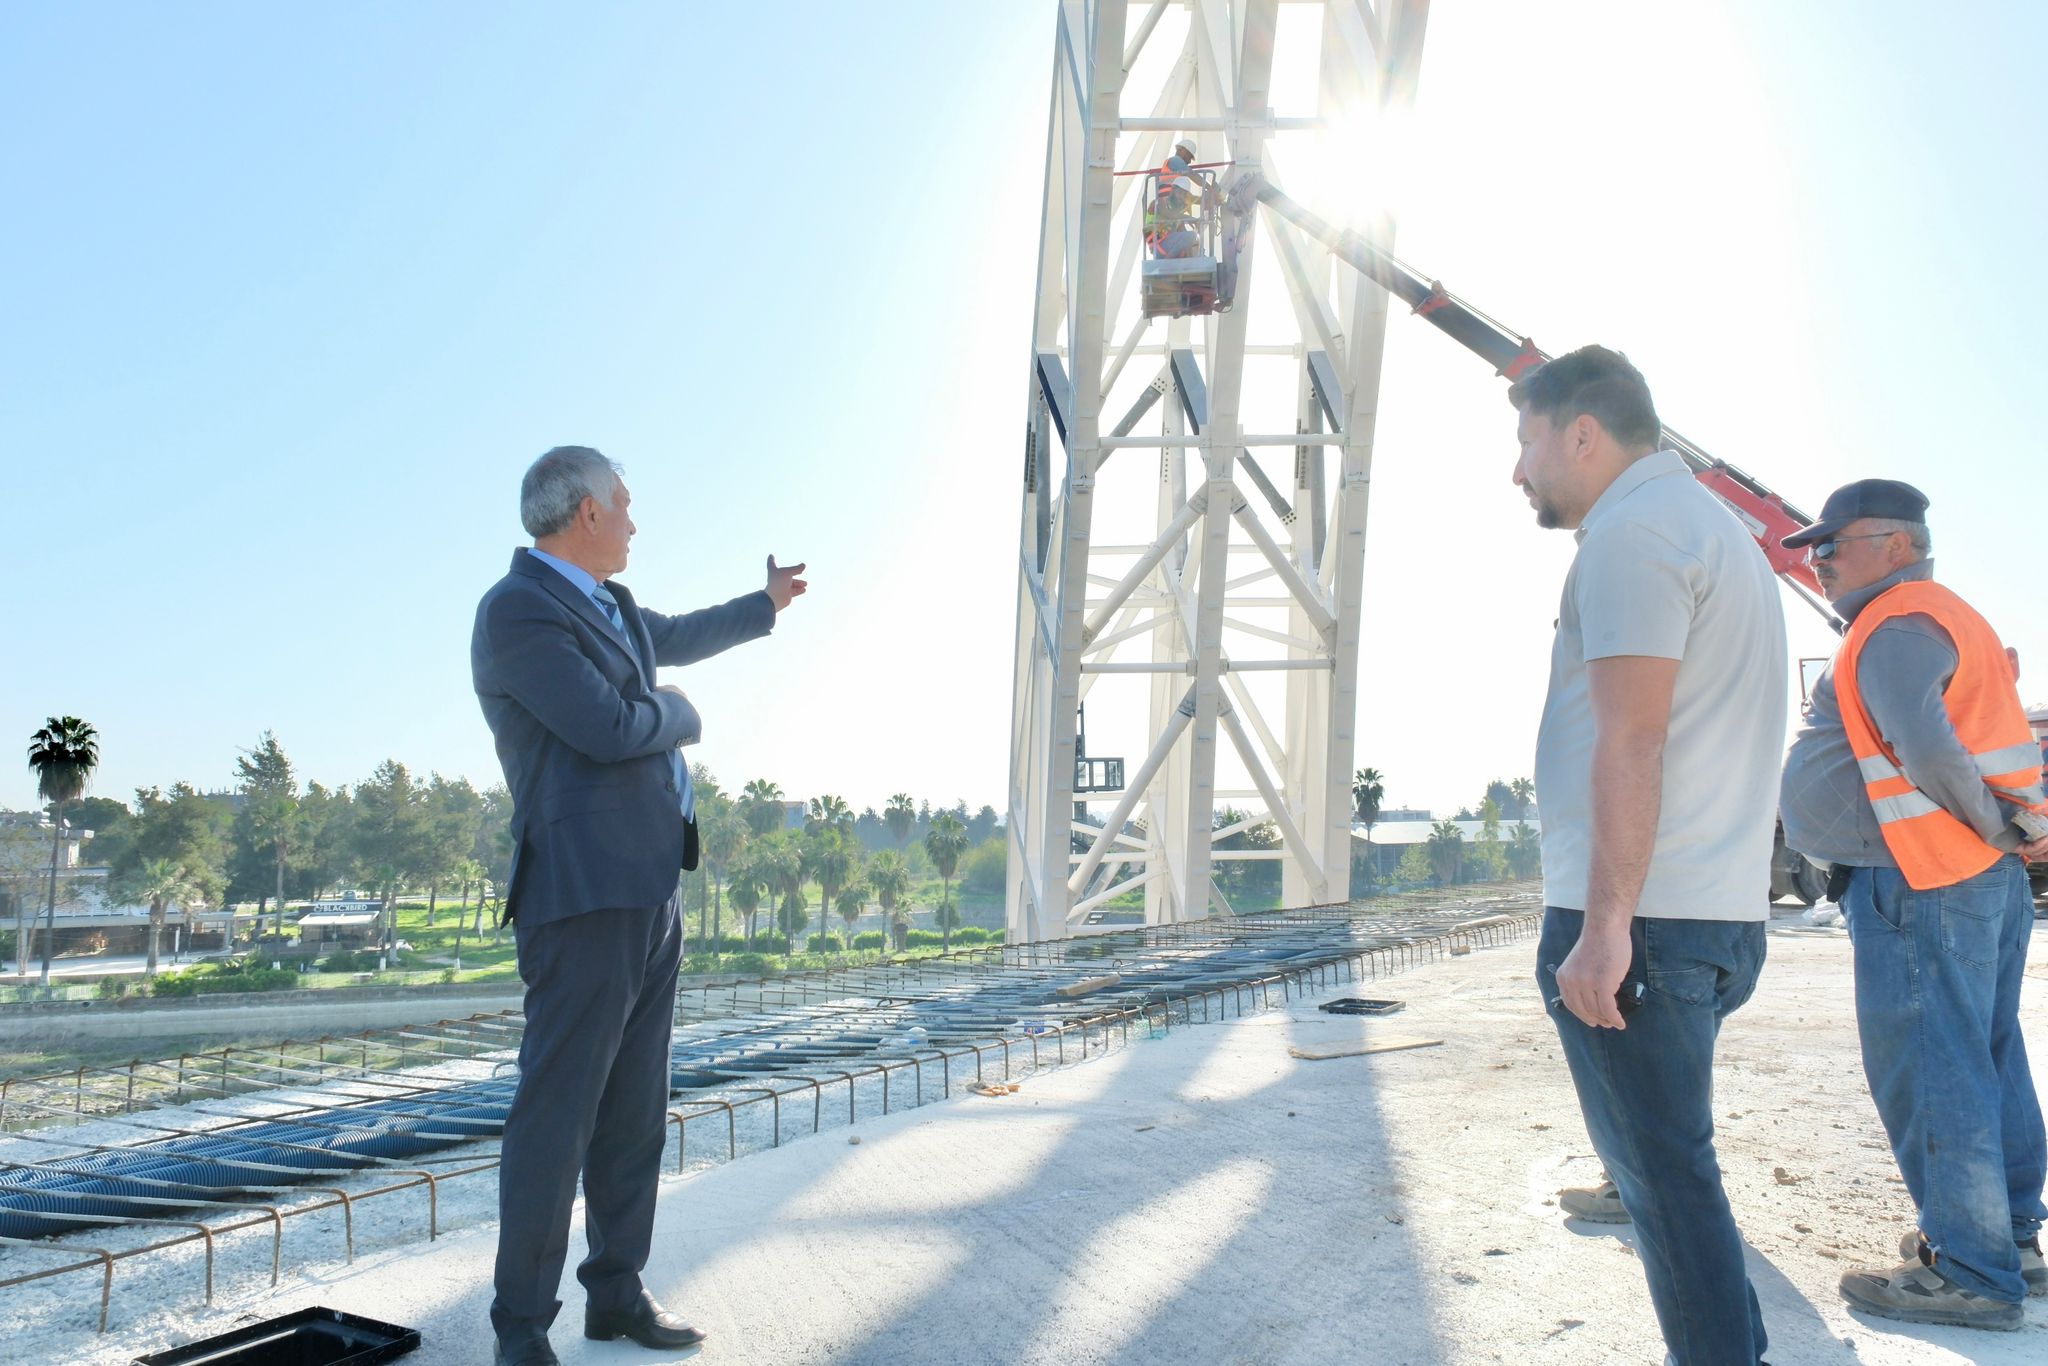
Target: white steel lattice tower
1194, 509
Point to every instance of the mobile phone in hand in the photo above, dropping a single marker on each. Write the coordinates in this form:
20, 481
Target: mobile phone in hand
1627, 998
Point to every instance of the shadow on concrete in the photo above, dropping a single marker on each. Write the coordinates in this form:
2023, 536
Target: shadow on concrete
1158, 1221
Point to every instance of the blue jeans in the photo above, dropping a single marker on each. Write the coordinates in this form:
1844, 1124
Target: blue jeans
1937, 1006
1647, 1095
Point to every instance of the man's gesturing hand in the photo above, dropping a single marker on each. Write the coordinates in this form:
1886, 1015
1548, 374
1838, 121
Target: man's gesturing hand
783, 584
1593, 971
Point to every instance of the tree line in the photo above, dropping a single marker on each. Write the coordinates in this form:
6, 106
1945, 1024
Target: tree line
274, 839
1446, 858
759, 864
271, 839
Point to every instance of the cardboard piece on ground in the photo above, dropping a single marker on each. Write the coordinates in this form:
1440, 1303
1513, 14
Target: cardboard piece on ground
1391, 1043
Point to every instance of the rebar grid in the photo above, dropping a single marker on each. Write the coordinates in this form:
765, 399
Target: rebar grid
738, 1044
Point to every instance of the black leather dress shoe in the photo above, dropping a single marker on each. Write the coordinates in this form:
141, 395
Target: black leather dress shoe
525, 1349
646, 1323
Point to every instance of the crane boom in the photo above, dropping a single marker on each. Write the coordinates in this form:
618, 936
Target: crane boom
1767, 515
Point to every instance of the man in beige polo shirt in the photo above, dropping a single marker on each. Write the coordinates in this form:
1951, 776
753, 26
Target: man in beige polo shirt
1657, 766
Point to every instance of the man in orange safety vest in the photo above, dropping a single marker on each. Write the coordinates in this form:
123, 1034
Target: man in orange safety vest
1917, 777
1176, 196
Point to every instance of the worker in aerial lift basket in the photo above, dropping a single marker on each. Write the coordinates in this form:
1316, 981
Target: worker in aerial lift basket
1917, 776
1175, 206
1657, 765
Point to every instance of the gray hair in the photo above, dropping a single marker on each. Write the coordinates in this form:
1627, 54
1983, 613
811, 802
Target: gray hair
1917, 534
557, 483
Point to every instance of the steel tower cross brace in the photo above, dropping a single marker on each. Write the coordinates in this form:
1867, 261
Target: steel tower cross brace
1192, 537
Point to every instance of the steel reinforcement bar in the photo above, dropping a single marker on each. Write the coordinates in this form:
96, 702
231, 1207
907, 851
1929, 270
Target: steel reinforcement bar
264, 1135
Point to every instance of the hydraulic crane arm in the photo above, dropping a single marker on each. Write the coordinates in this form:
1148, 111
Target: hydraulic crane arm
1769, 517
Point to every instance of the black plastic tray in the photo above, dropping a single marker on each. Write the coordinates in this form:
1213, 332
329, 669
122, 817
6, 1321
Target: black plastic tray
310, 1337
1360, 1005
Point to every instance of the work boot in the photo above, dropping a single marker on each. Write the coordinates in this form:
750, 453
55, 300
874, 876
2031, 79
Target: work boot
1914, 1292
2032, 1265
1599, 1204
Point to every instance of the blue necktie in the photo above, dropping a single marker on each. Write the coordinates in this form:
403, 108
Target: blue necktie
609, 605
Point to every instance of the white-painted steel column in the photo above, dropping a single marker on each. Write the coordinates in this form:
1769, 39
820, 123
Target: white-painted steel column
1230, 607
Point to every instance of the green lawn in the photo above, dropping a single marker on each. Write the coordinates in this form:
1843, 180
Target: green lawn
492, 957
433, 950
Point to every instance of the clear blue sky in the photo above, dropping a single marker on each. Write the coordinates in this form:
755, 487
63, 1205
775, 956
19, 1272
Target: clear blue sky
292, 294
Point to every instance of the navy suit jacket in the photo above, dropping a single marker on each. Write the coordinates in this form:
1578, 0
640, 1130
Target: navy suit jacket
585, 738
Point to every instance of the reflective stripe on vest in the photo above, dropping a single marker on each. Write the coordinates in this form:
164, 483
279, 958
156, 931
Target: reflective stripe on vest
1933, 847
1892, 795
1168, 192
2014, 773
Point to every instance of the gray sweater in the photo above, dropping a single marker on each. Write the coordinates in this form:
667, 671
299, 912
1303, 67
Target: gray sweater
1905, 670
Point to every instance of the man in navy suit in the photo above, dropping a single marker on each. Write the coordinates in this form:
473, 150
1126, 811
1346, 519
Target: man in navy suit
603, 821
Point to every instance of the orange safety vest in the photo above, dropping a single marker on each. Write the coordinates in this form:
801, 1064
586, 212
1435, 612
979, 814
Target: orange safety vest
1166, 211
1934, 849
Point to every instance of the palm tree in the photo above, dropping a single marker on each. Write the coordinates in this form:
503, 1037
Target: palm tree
779, 864
761, 806
1446, 851
889, 879
1525, 852
722, 839
901, 818
746, 890
852, 900
1524, 793
828, 859
1367, 789
829, 813
63, 755
793, 918
946, 841
160, 881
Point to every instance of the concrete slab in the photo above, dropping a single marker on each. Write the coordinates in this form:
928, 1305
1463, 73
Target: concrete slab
1207, 1196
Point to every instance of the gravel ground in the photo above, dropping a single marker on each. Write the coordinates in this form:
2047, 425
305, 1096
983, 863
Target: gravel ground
1201, 1194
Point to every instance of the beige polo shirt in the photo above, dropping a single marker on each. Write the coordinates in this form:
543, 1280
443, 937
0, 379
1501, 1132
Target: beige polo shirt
1664, 569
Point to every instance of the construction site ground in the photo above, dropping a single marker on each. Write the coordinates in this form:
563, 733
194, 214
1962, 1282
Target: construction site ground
1204, 1195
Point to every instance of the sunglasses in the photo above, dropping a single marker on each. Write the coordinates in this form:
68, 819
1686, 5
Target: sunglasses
1825, 550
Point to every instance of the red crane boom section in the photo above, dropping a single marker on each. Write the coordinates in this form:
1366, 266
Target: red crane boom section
1769, 517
